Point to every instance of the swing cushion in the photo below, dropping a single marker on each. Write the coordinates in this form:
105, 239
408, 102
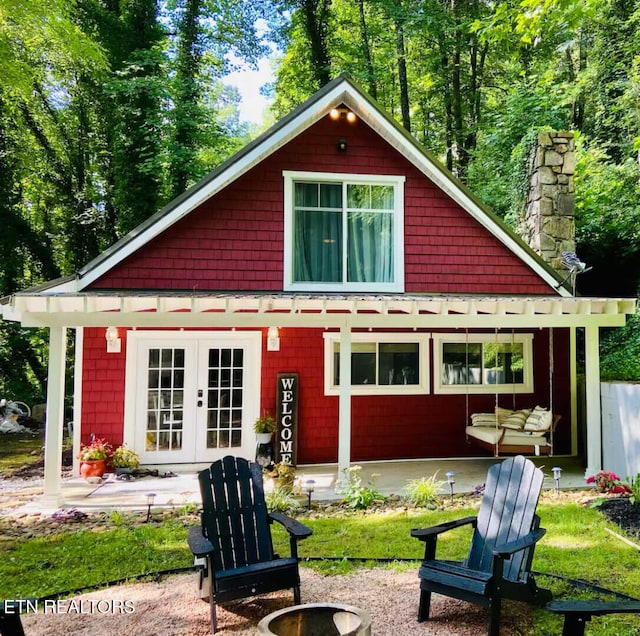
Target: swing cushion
540, 420
506, 437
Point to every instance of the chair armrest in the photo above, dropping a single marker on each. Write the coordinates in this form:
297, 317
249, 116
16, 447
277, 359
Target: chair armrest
423, 533
199, 545
295, 528
505, 550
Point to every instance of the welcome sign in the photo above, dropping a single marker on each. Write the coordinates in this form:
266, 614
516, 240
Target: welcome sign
287, 417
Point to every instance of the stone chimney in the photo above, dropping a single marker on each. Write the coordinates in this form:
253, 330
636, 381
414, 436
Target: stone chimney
549, 220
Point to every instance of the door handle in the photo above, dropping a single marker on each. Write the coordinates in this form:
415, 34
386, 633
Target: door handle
200, 395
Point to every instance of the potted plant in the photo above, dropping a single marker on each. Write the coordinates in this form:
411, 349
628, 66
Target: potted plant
93, 457
264, 428
125, 460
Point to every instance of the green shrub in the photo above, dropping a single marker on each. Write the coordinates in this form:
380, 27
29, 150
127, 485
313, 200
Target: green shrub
355, 494
634, 487
423, 492
281, 500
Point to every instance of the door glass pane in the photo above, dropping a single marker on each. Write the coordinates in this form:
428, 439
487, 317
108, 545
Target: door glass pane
225, 395
165, 397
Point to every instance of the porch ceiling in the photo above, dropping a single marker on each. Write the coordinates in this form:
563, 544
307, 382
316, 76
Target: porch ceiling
298, 310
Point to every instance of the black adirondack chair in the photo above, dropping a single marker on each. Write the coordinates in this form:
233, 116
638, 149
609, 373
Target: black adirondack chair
505, 532
235, 536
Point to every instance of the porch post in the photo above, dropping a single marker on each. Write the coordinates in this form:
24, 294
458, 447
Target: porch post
55, 417
344, 408
77, 397
593, 410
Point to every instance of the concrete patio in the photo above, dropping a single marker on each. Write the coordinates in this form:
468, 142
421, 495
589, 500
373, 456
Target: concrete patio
183, 489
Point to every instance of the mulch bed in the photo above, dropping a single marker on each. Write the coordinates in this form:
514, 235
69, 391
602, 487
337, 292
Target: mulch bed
622, 512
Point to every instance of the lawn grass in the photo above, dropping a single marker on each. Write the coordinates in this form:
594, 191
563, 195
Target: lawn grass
18, 450
577, 545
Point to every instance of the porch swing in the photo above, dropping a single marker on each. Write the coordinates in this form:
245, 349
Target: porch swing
511, 431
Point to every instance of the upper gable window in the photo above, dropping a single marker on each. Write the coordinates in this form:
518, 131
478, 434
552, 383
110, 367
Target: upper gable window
343, 232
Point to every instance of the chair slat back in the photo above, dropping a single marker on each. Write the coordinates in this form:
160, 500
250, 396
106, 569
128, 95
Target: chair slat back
507, 513
235, 517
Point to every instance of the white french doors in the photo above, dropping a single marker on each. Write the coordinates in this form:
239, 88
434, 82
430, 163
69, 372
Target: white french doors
193, 395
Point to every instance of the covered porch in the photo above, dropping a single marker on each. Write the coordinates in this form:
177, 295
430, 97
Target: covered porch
390, 478
344, 314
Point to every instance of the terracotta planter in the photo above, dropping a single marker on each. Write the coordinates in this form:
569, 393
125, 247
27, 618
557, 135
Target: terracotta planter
92, 468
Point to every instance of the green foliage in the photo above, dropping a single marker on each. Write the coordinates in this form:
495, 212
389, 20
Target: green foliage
423, 492
76, 559
356, 494
634, 487
125, 457
620, 352
281, 499
117, 518
607, 482
265, 424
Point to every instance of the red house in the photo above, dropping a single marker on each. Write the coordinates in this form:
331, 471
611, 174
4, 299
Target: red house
331, 247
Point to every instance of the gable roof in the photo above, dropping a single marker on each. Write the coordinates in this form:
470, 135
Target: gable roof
341, 90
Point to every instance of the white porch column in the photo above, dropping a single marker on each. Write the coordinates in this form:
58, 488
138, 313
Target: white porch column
55, 417
592, 390
344, 410
77, 398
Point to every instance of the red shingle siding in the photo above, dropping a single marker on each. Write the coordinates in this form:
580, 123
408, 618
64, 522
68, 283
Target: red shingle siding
383, 427
400, 426
235, 240
302, 351
102, 388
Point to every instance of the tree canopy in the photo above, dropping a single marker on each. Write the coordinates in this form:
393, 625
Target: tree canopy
111, 108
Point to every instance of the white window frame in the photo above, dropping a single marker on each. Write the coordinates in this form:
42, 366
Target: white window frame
526, 339
397, 181
422, 339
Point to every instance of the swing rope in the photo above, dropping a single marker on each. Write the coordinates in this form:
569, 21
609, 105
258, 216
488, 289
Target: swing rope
466, 367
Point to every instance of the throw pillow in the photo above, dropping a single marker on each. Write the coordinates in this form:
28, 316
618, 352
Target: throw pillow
516, 420
539, 420
502, 414
483, 419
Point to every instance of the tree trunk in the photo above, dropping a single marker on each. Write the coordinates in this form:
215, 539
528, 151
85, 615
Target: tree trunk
366, 49
316, 16
188, 94
402, 76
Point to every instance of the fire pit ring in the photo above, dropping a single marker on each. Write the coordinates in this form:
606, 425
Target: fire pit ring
317, 619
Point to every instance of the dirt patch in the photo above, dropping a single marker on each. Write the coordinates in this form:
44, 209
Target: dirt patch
622, 512
171, 607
